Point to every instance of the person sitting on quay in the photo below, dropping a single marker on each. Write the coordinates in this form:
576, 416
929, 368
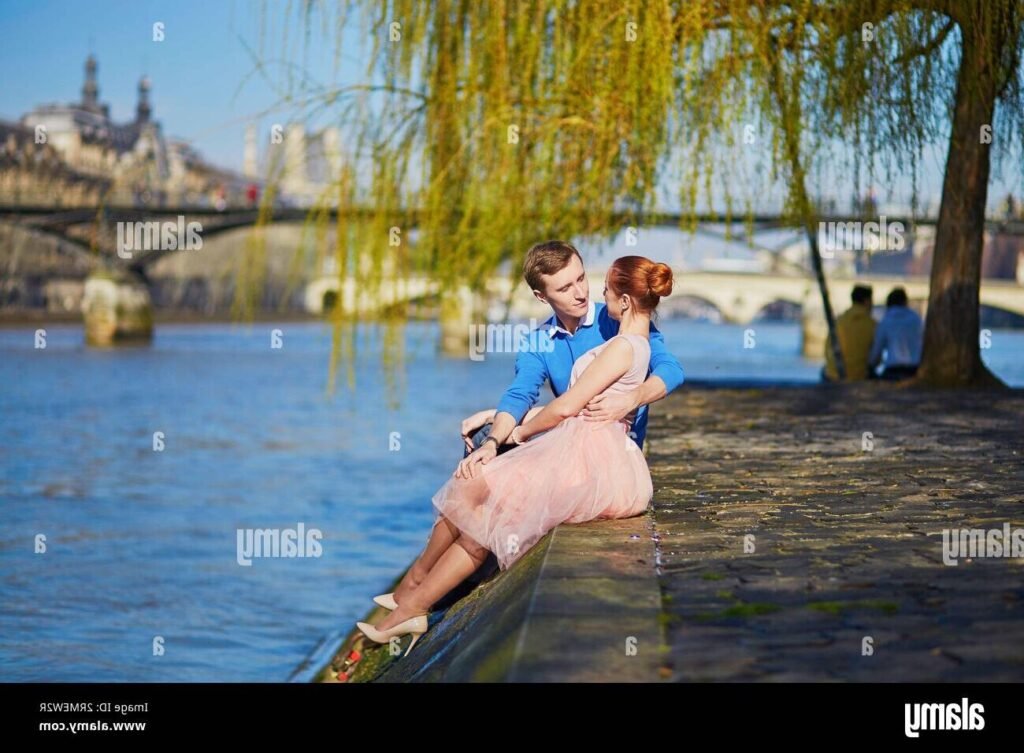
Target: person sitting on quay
898, 339
856, 331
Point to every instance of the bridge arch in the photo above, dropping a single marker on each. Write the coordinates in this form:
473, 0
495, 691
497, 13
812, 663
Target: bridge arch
738, 297
780, 309
690, 306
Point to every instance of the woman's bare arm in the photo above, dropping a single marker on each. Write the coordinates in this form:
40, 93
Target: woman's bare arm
609, 365
532, 412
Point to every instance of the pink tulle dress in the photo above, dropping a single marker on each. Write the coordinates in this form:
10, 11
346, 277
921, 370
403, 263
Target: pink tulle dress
578, 471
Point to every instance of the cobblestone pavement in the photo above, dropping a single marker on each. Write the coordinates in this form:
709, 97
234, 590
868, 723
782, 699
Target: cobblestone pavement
800, 533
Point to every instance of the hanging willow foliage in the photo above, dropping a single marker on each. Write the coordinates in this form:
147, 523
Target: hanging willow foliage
534, 120
490, 125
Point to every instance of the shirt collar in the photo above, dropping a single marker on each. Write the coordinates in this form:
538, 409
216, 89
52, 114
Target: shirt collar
554, 326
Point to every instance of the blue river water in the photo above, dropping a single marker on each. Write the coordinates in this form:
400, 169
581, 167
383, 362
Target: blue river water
120, 562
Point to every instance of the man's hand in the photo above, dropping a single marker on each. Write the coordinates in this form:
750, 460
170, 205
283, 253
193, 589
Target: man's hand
610, 407
469, 467
471, 425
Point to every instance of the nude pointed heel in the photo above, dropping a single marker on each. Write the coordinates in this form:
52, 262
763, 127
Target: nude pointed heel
415, 637
387, 601
415, 626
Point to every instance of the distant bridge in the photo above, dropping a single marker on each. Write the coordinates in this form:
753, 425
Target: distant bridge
86, 229
96, 228
739, 297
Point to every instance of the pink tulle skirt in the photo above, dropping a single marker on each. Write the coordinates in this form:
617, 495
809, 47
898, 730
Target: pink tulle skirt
578, 471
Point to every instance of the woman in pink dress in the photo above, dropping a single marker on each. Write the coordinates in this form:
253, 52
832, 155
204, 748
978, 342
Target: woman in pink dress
565, 470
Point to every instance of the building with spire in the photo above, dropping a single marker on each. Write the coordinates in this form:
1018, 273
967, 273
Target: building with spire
142, 166
92, 143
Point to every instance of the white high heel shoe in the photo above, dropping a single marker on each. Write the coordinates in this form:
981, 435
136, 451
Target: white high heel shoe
416, 626
387, 601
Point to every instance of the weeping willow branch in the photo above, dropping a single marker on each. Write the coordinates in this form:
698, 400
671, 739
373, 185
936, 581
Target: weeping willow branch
492, 125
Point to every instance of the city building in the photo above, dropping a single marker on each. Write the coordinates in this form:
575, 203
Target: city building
143, 167
304, 164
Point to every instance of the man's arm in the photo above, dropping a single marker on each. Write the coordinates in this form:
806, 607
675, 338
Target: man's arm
471, 425
664, 367
531, 371
523, 393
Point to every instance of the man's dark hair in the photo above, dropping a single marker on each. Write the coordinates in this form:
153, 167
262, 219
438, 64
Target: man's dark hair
547, 258
897, 297
861, 294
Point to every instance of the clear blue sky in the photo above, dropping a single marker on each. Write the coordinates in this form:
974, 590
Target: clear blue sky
200, 90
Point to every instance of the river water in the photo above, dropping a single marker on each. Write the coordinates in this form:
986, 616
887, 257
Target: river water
127, 475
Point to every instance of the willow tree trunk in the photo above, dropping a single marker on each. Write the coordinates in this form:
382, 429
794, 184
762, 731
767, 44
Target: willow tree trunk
951, 355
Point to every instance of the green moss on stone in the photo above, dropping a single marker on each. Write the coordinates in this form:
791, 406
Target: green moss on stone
753, 609
838, 607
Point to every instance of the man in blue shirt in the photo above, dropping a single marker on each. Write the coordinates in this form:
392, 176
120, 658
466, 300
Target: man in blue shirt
554, 271
898, 337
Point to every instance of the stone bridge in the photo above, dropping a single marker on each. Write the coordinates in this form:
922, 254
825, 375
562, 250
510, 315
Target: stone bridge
128, 240
739, 297
135, 238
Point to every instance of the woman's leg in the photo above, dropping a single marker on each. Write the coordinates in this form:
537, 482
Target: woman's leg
442, 536
457, 563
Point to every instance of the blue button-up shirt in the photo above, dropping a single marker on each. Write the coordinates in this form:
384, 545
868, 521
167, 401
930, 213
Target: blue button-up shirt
898, 336
549, 352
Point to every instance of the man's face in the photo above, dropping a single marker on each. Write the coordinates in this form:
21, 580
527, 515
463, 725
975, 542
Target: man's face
568, 290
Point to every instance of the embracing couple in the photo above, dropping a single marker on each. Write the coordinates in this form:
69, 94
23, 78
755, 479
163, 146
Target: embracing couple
578, 458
